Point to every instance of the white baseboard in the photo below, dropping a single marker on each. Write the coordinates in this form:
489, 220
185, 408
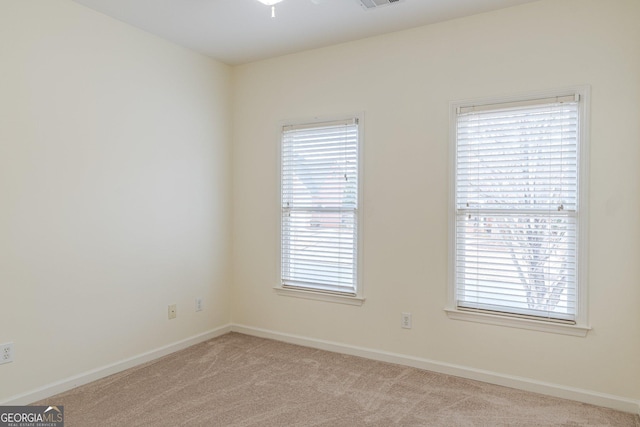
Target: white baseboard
527, 384
580, 395
95, 374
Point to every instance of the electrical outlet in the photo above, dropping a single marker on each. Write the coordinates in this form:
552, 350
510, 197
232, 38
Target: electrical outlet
173, 312
6, 353
405, 320
199, 304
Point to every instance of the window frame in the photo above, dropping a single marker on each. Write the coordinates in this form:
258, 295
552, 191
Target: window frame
319, 294
580, 328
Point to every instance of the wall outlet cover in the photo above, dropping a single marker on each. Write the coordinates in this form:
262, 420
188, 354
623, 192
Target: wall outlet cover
405, 320
6, 353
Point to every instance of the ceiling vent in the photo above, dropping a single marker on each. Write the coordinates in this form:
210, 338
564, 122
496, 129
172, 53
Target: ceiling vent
373, 4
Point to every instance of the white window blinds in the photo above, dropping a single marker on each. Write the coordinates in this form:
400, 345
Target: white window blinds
516, 208
319, 185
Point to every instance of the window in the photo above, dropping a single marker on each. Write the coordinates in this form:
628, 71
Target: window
320, 200
518, 225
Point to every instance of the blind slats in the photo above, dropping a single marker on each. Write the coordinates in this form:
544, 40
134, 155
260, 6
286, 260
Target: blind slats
516, 197
319, 180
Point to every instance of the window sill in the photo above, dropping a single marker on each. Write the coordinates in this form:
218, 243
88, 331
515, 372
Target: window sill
320, 296
514, 322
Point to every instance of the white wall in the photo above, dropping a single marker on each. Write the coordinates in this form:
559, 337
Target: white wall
404, 82
114, 191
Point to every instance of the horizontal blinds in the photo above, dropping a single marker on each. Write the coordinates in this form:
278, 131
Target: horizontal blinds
519, 103
516, 205
319, 206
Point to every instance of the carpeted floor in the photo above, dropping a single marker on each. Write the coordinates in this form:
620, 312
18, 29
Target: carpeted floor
239, 380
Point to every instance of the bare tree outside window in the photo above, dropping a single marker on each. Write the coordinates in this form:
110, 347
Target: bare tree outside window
516, 200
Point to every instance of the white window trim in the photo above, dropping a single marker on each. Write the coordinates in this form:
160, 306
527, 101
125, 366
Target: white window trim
318, 294
581, 326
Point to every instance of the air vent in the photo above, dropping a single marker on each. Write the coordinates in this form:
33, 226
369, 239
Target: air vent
373, 4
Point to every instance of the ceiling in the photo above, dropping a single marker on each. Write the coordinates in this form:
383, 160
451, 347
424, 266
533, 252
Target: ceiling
241, 31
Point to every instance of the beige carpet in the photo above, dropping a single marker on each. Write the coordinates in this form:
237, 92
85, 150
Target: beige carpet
238, 380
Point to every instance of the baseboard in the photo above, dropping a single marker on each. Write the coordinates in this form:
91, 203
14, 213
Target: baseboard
527, 384
95, 374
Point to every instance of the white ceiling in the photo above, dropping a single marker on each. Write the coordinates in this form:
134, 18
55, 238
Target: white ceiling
241, 31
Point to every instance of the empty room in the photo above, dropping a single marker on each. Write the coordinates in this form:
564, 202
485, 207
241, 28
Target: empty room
320, 212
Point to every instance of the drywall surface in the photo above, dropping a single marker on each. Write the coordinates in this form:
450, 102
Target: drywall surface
403, 82
114, 192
